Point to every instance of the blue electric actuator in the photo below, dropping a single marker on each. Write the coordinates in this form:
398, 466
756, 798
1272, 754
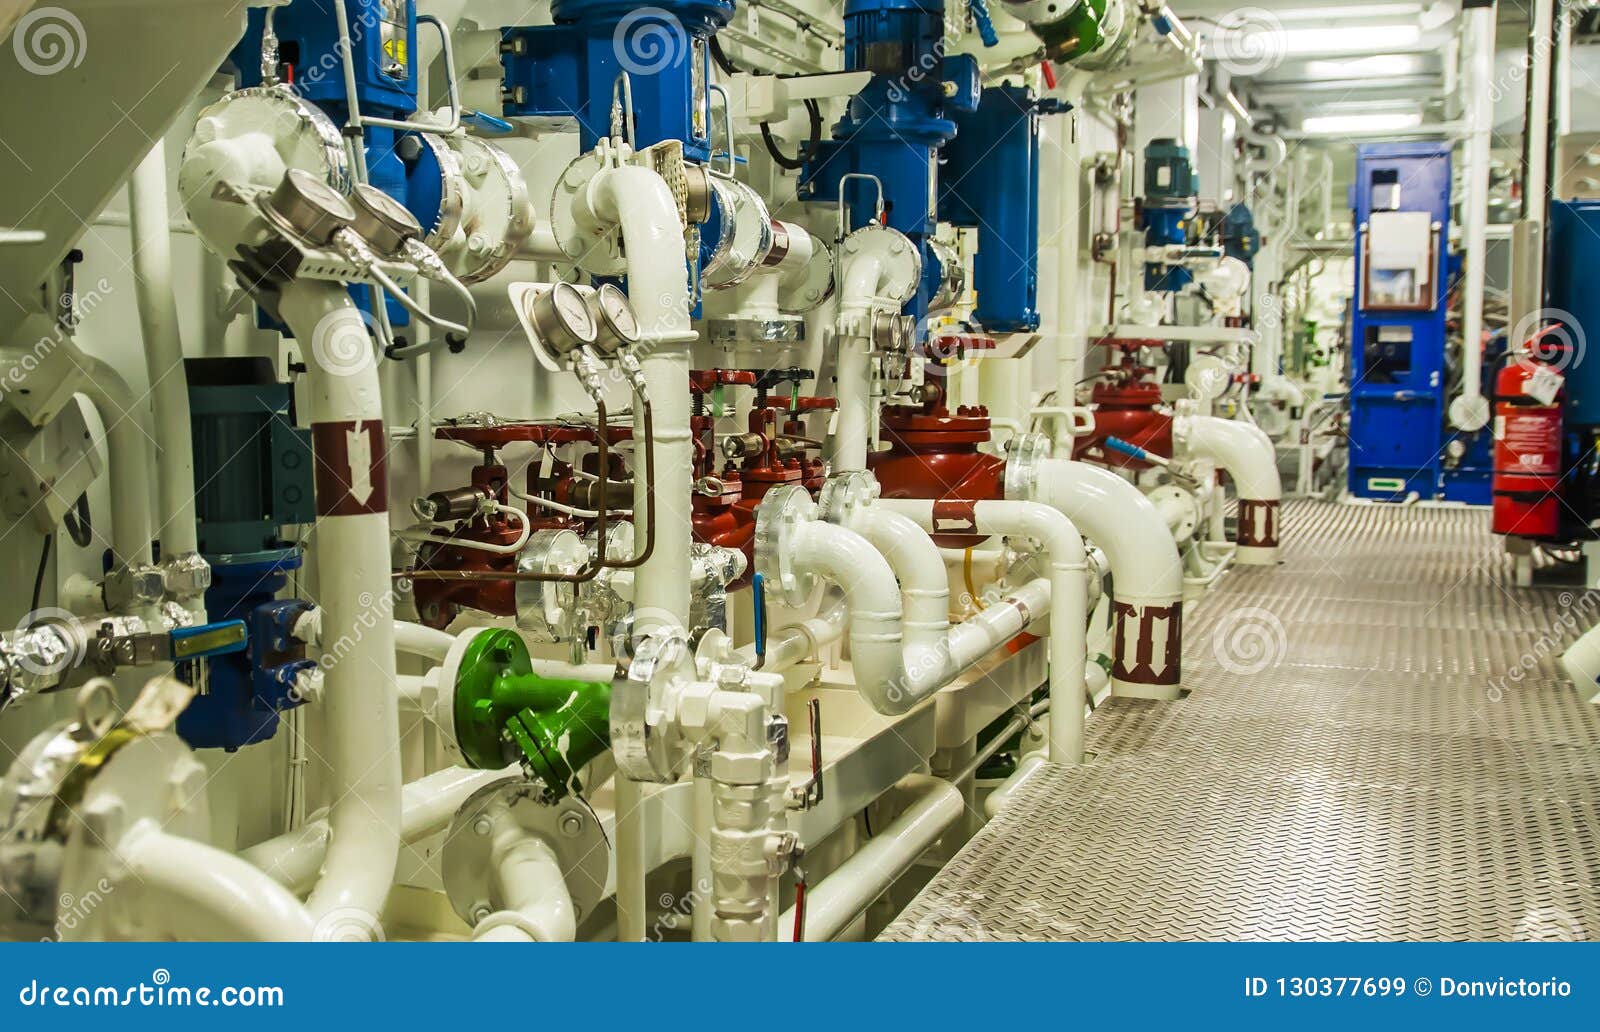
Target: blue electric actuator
653, 59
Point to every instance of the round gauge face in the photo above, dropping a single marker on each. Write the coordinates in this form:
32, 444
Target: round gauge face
317, 192
618, 313
570, 309
391, 211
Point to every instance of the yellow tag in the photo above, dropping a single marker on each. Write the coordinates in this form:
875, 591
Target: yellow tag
396, 48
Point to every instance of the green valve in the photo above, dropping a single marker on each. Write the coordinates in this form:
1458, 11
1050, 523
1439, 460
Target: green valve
1077, 35
505, 711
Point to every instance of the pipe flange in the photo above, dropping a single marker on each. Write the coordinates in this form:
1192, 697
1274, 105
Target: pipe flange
728, 332
497, 212
1024, 455
641, 740
902, 261
952, 275
547, 610
567, 827
846, 496
810, 285
452, 192
226, 144
594, 248
779, 518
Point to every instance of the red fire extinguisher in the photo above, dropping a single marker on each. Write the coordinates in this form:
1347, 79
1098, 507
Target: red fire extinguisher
1527, 449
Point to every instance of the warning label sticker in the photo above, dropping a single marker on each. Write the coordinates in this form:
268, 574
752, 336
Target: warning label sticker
352, 468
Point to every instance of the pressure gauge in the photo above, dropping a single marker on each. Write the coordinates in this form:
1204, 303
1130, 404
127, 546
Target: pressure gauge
562, 319
310, 207
615, 322
384, 222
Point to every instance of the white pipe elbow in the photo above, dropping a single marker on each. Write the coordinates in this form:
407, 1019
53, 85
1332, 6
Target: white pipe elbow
533, 890
1146, 569
1251, 459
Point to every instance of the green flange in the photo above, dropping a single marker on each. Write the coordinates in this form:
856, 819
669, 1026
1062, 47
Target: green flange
505, 711
1077, 35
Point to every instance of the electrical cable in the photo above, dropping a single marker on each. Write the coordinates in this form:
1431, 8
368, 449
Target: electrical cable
38, 578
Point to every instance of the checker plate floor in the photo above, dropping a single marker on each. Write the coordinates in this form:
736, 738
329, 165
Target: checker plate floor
1377, 745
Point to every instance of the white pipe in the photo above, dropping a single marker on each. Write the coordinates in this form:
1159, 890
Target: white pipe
127, 455
207, 893
537, 907
833, 903
419, 640
1470, 411
352, 554
640, 202
1251, 459
1001, 797
794, 643
862, 276
426, 806
1581, 662
1069, 595
1146, 571
894, 672
149, 218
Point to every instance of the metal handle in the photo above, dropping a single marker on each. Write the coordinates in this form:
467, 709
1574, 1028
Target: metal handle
727, 130
844, 207
622, 107
758, 588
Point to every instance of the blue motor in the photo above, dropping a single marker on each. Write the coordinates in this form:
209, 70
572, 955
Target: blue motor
1171, 189
990, 181
253, 478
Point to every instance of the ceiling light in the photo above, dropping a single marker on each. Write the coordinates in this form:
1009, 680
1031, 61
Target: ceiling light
1351, 39
1373, 122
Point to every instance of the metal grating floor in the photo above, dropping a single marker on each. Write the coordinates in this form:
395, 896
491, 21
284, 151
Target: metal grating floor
1355, 760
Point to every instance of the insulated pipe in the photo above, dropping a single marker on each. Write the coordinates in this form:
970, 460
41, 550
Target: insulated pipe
426, 808
895, 674
149, 218
206, 892
1069, 594
1146, 570
1470, 411
832, 904
639, 202
1251, 459
128, 455
352, 554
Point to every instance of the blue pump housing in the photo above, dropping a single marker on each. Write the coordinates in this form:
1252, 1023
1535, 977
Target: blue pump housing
990, 181
568, 72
